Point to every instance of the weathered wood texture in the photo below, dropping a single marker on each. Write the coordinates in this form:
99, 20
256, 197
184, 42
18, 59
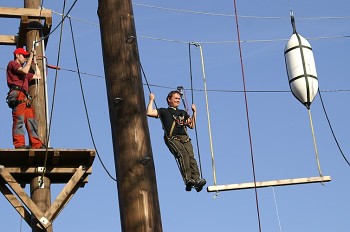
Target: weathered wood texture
262, 184
136, 179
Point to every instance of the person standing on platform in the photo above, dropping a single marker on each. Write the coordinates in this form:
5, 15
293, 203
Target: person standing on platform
175, 122
19, 74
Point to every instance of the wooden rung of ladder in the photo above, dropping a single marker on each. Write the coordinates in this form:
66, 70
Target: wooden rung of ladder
271, 183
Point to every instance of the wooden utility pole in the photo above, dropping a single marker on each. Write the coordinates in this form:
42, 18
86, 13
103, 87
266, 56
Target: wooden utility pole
40, 187
136, 179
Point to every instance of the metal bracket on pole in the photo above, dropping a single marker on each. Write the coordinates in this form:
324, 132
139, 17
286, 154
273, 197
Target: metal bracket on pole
145, 160
130, 39
117, 100
41, 182
44, 220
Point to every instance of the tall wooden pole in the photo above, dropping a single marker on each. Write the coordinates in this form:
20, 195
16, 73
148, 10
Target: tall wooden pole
40, 193
136, 179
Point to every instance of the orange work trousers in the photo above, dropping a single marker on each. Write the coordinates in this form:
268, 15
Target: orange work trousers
23, 116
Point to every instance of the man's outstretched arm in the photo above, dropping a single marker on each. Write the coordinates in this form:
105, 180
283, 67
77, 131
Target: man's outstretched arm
151, 112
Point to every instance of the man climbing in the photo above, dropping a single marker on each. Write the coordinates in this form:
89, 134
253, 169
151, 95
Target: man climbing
19, 74
175, 122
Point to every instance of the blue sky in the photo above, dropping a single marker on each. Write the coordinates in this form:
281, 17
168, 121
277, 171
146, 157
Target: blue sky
281, 136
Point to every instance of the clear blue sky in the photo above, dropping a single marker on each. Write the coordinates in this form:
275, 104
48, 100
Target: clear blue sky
281, 136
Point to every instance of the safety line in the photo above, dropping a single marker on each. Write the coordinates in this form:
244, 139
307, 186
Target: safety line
315, 145
231, 15
84, 101
192, 98
278, 215
64, 16
41, 181
331, 128
44, 74
209, 90
161, 121
208, 113
247, 115
20, 224
148, 85
246, 41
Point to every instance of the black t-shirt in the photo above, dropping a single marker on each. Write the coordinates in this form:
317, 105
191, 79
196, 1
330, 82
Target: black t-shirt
169, 115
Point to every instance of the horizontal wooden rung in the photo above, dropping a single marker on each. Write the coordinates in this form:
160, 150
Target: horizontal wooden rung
8, 40
262, 184
6, 12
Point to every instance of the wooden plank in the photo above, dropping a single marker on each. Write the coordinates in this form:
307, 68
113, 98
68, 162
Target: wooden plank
49, 170
263, 184
16, 188
56, 175
60, 166
65, 195
8, 40
16, 203
8, 12
36, 157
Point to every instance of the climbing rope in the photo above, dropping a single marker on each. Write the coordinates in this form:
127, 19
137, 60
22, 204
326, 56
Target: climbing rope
315, 145
84, 101
20, 224
154, 101
278, 215
208, 113
64, 16
247, 115
192, 98
331, 128
41, 181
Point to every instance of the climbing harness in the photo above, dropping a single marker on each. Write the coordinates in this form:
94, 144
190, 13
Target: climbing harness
12, 101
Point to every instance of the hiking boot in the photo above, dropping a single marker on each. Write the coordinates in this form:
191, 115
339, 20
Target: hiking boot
189, 184
43, 146
200, 184
23, 147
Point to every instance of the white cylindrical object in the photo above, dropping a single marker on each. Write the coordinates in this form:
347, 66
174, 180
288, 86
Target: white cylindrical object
301, 69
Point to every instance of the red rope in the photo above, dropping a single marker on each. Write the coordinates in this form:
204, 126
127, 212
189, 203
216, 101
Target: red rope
247, 115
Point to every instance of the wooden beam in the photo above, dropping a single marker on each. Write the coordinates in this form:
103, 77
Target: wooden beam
57, 157
22, 195
61, 200
15, 203
49, 170
65, 195
8, 40
27, 15
263, 184
7, 12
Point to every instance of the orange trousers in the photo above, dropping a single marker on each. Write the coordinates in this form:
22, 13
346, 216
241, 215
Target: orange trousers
23, 116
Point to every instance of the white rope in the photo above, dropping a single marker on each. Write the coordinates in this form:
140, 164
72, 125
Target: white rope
315, 145
278, 216
20, 224
208, 113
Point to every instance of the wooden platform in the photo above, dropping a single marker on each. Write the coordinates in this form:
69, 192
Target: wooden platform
61, 164
263, 184
21, 166
26, 15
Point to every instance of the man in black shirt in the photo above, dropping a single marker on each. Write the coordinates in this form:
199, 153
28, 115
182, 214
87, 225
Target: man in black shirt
175, 122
